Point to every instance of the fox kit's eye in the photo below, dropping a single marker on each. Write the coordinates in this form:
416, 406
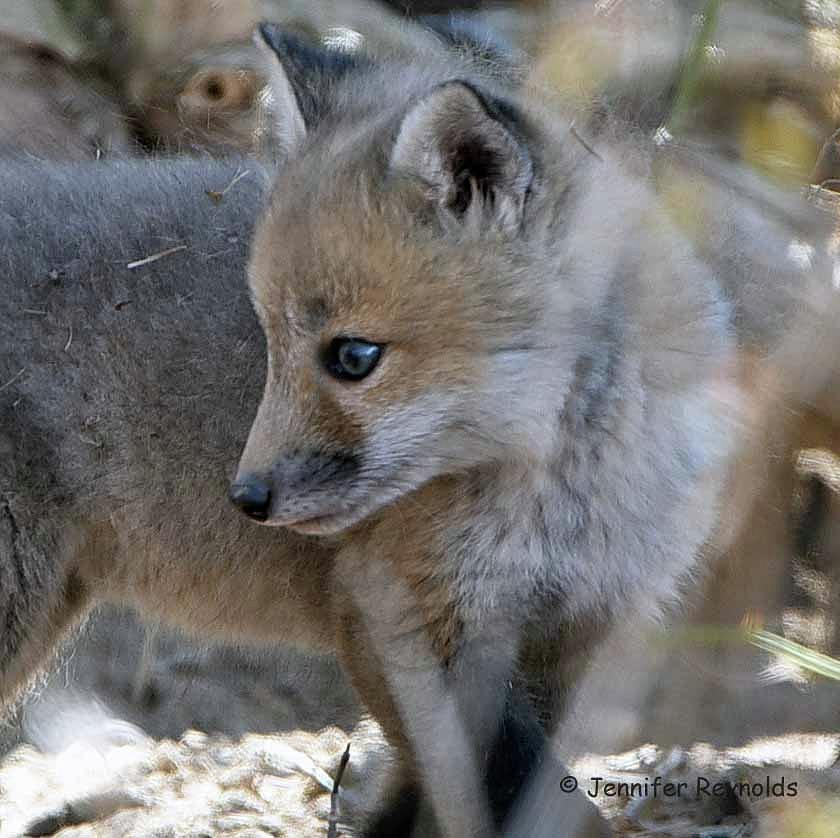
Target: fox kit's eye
351, 359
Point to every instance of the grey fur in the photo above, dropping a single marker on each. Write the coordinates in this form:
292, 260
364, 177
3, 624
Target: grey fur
125, 395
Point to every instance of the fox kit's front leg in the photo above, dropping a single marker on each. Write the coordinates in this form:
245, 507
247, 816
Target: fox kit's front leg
400, 640
442, 675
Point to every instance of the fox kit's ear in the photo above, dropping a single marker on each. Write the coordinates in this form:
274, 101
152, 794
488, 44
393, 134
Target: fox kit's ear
302, 78
464, 150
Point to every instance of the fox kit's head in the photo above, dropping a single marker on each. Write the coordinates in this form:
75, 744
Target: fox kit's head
396, 274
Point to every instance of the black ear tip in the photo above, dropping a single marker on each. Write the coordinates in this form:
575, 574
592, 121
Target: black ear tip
284, 43
269, 32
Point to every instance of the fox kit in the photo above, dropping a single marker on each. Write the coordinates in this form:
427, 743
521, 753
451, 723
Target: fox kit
512, 390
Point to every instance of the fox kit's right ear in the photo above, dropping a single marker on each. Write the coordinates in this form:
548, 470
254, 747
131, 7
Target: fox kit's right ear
468, 153
302, 77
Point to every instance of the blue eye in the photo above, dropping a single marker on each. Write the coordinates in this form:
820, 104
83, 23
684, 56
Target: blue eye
352, 359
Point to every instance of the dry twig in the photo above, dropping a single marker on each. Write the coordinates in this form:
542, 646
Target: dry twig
335, 813
155, 256
13, 379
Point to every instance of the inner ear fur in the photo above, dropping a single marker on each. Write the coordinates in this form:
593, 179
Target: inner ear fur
461, 145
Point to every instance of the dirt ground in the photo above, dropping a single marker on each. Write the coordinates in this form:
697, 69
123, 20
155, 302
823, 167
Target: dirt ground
137, 732
127, 784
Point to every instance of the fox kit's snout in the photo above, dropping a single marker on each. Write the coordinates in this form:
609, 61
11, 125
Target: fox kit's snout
252, 495
287, 494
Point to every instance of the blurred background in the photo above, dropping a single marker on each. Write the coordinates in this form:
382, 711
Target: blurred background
107, 744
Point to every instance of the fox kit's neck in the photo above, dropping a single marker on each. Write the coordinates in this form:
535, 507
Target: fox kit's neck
614, 517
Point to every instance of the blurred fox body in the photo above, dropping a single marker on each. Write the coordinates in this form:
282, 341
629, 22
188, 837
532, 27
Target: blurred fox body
123, 403
512, 388
50, 111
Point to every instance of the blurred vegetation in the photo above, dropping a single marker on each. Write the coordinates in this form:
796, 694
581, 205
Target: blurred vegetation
690, 85
806, 659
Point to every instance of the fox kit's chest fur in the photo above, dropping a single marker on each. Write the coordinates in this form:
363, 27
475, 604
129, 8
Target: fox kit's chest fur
612, 522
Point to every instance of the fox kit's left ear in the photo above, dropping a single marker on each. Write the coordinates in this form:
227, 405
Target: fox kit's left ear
303, 77
467, 152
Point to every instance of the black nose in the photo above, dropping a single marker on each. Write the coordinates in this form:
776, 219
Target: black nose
252, 496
